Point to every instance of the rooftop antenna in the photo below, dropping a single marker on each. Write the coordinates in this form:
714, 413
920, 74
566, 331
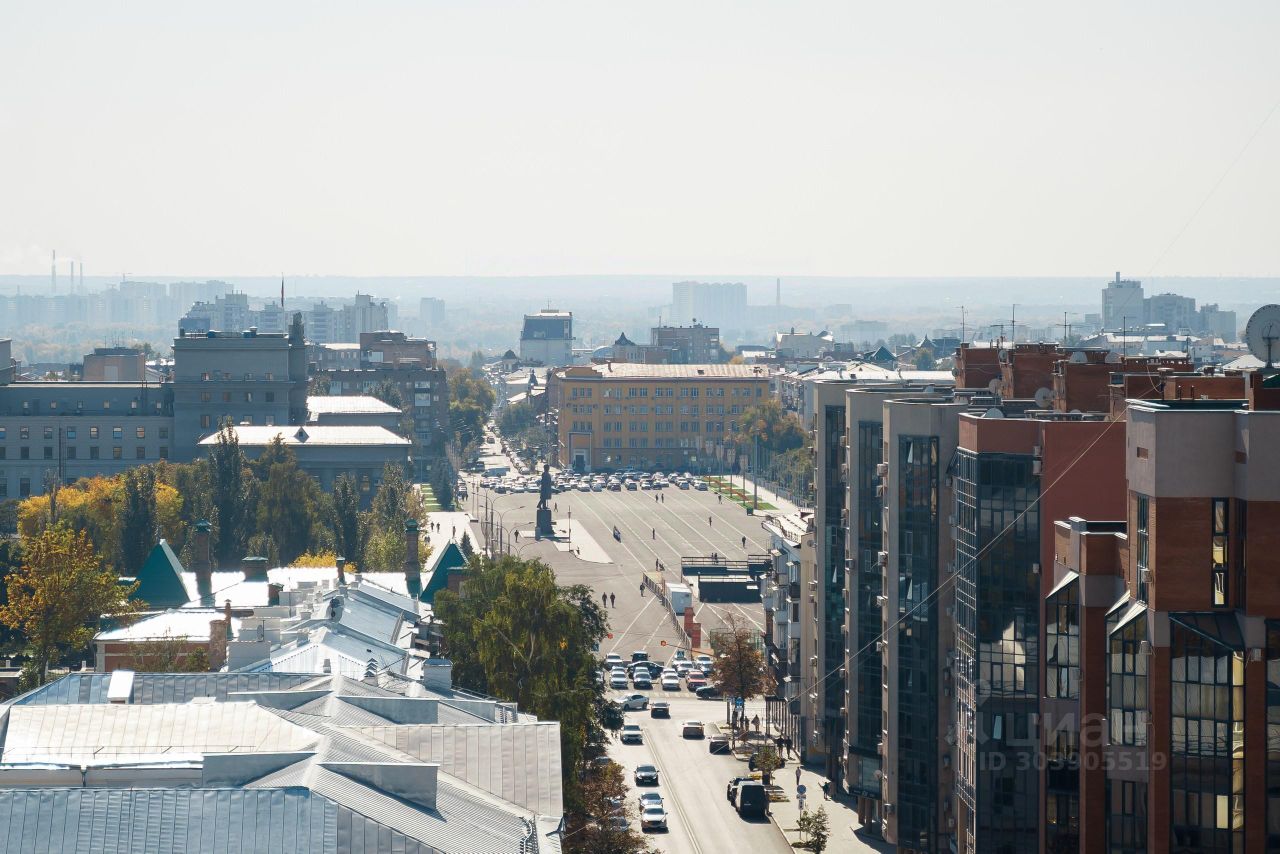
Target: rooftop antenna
1013, 325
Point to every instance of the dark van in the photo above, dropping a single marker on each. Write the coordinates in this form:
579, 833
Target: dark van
752, 800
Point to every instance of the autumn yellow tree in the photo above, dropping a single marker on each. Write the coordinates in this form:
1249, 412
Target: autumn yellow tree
58, 596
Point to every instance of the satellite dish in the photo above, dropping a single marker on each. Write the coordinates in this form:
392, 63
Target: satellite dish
1078, 358
1044, 398
1113, 358
994, 386
1262, 334
993, 412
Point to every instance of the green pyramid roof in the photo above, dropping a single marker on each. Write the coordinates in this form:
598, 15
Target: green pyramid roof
160, 579
444, 560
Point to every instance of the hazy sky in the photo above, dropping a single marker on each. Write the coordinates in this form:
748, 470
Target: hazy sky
693, 137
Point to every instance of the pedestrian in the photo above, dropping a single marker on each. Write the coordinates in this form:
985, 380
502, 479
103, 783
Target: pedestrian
604, 599
719, 498
744, 542
826, 790
613, 601
655, 499
655, 533
642, 590
708, 521
664, 499
517, 536
797, 775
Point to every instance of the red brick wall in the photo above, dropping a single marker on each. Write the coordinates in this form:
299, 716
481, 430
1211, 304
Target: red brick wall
1181, 534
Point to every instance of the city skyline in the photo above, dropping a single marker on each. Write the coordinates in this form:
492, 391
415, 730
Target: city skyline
493, 140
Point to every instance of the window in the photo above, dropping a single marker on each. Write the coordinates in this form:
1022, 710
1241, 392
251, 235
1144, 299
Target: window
205, 397
164, 452
3, 431
141, 452
1219, 553
48, 432
206, 421
93, 432
94, 452
24, 487
141, 432
248, 397
270, 396
106, 404
24, 453
71, 453
71, 433
1127, 687
364, 483
24, 432
117, 453
1062, 636
48, 452
117, 432
164, 432
1142, 543
4, 487
226, 397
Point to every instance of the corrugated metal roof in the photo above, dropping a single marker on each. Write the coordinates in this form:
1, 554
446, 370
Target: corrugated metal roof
348, 403
189, 821
518, 762
160, 687
121, 733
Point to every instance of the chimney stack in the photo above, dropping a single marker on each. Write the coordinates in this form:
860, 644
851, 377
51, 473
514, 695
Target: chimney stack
254, 568
273, 593
412, 565
342, 574
203, 563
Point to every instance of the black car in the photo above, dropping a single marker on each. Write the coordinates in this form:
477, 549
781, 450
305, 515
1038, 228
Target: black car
659, 709
709, 692
718, 744
646, 775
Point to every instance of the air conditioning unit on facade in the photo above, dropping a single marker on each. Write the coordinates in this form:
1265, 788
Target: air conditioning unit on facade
1144, 575
882, 558
882, 470
1037, 467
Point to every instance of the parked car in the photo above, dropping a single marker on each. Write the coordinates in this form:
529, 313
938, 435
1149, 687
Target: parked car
660, 709
612, 659
639, 655
700, 485
752, 800
695, 680
646, 775
653, 818
708, 692
718, 744
641, 681
631, 734
693, 729
670, 683
731, 790
618, 679
633, 701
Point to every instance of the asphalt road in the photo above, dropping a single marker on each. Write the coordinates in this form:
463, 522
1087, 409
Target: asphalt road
692, 782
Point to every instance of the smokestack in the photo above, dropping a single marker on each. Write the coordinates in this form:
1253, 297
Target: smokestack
203, 563
412, 566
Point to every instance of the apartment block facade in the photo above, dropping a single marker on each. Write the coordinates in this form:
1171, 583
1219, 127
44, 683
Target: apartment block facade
649, 416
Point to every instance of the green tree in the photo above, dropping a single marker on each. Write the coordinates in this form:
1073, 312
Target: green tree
816, 827
389, 393
589, 830
138, 518
776, 429
58, 595
395, 501
288, 504
470, 400
350, 526
318, 386
477, 360
385, 551
925, 361
516, 418
516, 634
767, 761
231, 496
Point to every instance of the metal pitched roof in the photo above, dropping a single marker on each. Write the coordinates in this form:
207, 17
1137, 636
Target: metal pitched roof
160, 687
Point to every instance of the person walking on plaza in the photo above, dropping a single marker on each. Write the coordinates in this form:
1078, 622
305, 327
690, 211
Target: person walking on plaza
642, 590
613, 601
604, 599
655, 533
797, 775
744, 542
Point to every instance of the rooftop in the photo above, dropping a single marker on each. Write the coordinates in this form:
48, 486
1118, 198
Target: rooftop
312, 434
349, 404
636, 370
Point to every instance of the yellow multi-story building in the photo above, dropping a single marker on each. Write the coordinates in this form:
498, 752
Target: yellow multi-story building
649, 416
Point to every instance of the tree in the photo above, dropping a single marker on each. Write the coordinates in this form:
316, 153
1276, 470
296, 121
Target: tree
350, 526
138, 521
477, 360
395, 501
464, 546
925, 361
230, 495
767, 761
776, 429
168, 654
589, 830
816, 826
385, 551
288, 501
58, 595
517, 635
389, 393
739, 667
318, 386
516, 418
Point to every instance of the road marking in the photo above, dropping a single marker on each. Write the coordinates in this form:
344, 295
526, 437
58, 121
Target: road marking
617, 639
684, 818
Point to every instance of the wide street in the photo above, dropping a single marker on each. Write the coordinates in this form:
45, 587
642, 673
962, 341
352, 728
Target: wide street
692, 781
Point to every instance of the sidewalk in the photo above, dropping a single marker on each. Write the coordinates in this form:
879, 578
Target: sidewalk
843, 816
765, 495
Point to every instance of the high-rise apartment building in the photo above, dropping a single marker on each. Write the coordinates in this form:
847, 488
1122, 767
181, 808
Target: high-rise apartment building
722, 304
1177, 313
1123, 305
546, 338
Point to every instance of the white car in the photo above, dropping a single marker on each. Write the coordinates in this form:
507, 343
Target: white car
650, 799
631, 734
671, 683
618, 679
633, 701
700, 485
584, 487
653, 818
612, 660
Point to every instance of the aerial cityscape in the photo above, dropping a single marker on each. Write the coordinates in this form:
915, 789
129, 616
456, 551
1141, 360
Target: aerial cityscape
499, 428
